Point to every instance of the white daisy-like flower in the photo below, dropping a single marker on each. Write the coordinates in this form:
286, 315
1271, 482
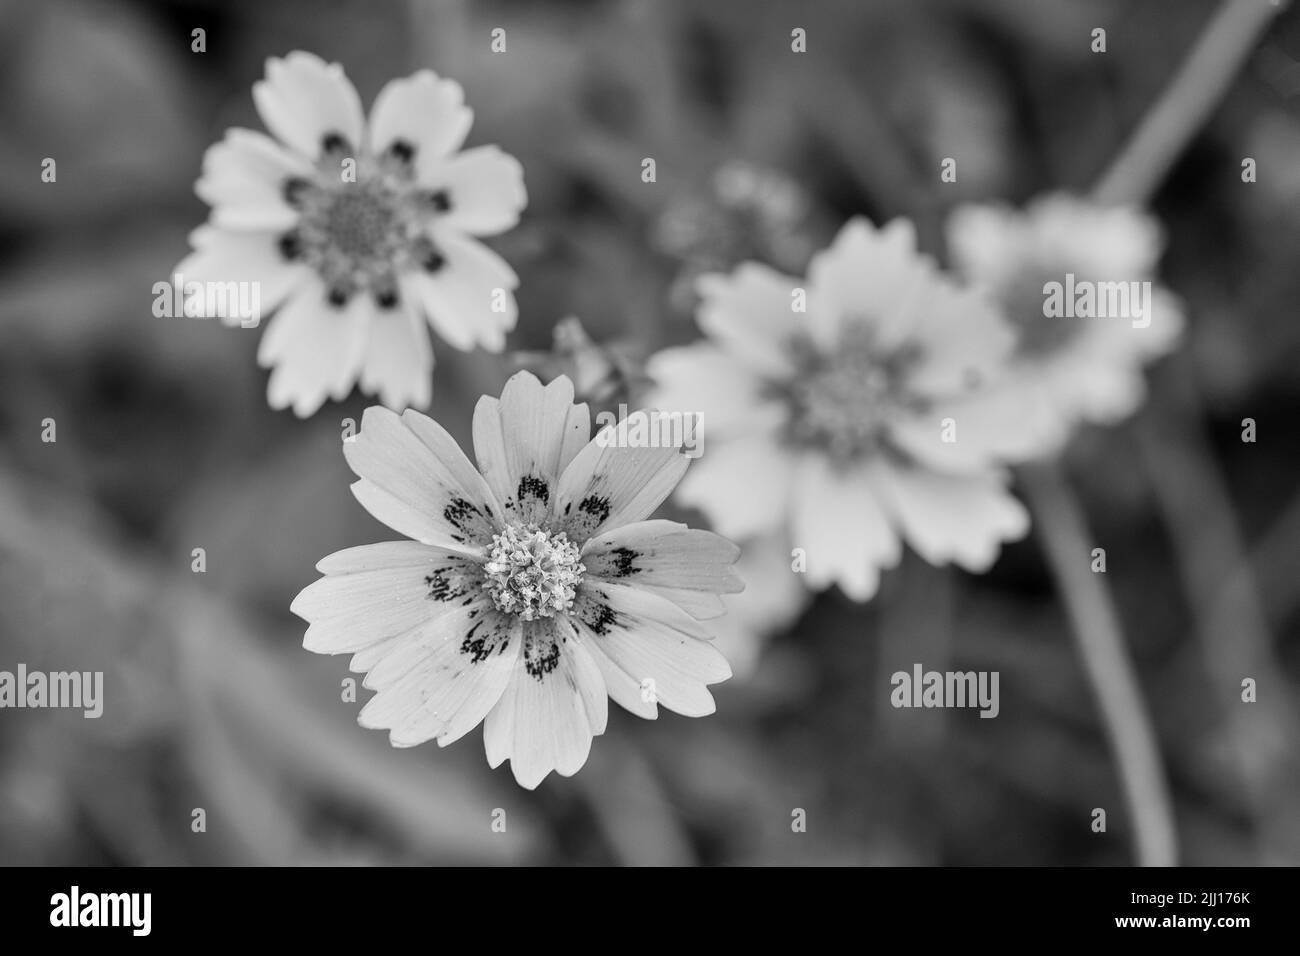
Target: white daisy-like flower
358, 231
837, 422
1073, 368
536, 585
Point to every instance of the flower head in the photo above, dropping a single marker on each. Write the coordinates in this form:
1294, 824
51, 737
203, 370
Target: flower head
835, 408
534, 587
359, 231
1084, 365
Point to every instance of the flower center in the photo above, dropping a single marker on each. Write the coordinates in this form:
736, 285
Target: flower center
359, 221
361, 231
844, 402
531, 572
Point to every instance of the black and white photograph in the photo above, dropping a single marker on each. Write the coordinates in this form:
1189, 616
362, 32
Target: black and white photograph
650, 433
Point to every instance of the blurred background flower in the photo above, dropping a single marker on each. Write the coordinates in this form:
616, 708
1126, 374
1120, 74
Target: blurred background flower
355, 231
165, 443
833, 403
1066, 368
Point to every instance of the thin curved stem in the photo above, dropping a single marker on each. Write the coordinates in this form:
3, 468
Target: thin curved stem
1171, 122
1061, 526
1231, 625
1182, 109
1187, 101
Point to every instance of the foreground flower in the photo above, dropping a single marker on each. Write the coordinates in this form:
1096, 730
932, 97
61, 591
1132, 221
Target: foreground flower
359, 231
534, 587
1077, 366
837, 423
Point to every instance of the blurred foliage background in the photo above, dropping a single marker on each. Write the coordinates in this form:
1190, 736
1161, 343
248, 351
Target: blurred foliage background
165, 442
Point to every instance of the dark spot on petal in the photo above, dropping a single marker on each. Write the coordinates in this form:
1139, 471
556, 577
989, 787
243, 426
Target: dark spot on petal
401, 150
433, 260
338, 296
459, 513
477, 646
541, 656
334, 143
604, 621
445, 584
591, 512
597, 616
533, 487
290, 245
295, 188
386, 296
440, 200
596, 506
621, 559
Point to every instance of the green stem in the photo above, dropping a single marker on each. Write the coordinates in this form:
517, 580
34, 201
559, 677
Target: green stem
1187, 102
1230, 623
1182, 109
1061, 526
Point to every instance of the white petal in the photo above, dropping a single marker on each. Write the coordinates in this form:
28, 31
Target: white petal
366, 659
448, 631
1014, 420
1098, 240
1099, 375
990, 244
376, 557
663, 554
398, 362
243, 179
751, 314
418, 482
964, 341
1116, 341
1168, 323
423, 110
316, 348
222, 256
470, 299
742, 484
1080, 388
618, 478
703, 380
546, 718
532, 433
945, 518
444, 681
701, 605
687, 566
348, 612
839, 523
869, 275
484, 185
303, 99
649, 650
461, 471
